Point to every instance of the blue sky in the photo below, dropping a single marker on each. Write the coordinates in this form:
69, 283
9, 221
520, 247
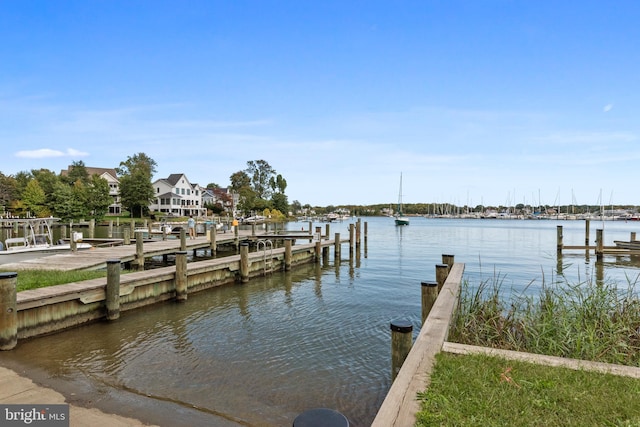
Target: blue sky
482, 102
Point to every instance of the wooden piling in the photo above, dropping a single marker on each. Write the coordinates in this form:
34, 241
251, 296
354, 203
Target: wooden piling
632, 236
336, 246
358, 232
429, 296
139, 251
587, 224
327, 231
318, 251
449, 260
288, 244
126, 236
183, 239
559, 239
213, 233
181, 276
110, 230
401, 342
112, 294
92, 228
442, 272
8, 310
351, 237
599, 244
244, 262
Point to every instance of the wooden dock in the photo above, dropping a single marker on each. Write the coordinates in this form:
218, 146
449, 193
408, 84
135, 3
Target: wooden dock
96, 258
632, 247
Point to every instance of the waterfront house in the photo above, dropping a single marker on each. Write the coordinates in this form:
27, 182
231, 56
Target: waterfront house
176, 196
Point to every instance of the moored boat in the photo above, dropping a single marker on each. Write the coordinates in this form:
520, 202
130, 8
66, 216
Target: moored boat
37, 237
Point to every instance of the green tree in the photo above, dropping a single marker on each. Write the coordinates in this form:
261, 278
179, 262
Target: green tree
66, 203
260, 173
77, 172
98, 197
136, 190
241, 184
34, 199
8, 191
279, 202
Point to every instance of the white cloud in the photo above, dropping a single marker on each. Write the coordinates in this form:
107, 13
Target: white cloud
44, 153
607, 108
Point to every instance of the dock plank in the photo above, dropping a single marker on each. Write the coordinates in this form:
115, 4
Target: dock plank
97, 257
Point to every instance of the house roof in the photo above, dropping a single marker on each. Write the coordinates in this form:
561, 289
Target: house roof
169, 195
93, 171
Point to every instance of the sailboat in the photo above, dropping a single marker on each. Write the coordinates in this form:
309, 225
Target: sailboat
401, 218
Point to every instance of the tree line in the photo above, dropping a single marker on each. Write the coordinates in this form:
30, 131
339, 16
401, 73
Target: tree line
75, 194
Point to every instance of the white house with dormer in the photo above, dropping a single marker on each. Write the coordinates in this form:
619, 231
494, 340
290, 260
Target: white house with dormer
177, 196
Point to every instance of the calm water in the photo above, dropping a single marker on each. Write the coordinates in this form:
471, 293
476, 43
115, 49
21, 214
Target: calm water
261, 353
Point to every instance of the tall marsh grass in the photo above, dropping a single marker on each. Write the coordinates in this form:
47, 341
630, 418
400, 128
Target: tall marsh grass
591, 320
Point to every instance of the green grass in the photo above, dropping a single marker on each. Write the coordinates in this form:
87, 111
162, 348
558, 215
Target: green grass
33, 279
593, 320
478, 390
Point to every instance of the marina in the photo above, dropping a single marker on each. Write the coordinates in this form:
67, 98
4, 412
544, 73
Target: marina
261, 353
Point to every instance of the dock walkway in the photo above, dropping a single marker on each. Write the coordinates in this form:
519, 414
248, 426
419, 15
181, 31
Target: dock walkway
97, 257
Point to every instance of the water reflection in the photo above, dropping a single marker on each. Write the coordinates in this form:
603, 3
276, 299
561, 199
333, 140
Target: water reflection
261, 353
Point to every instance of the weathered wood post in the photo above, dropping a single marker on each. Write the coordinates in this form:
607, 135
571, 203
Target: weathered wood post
244, 262
183, 239
73, 243
336, 246
449, 260
559, 239
318, 233
112, 293
164, 231
126, 236
310, 227
8, 310
236, 235
63, 231
429, 296
442, 271
110, 230
321, 417
632, 236
401, 342
351, 237
181, 276
288, 243
318, 251
139, 250
599, 244
92, 228
587, 223
213, 233
358, 232
132, 227
149, 227
327, 231
253, 229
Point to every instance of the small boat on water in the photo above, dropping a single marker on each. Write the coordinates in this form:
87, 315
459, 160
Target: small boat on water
633, 245
36, 237
400, 217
